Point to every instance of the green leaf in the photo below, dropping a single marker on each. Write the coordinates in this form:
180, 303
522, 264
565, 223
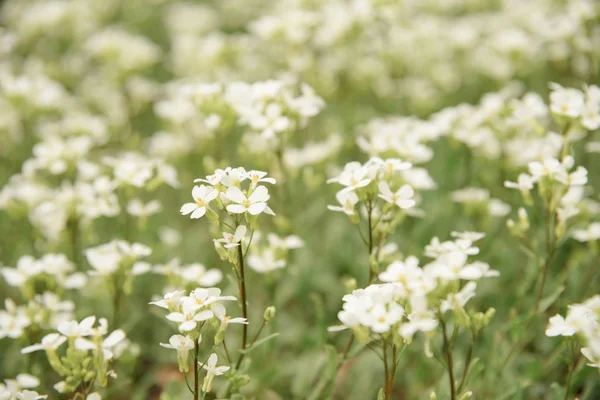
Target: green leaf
548, 301
326, 383
259, 342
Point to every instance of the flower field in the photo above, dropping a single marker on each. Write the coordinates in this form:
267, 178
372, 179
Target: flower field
299, 199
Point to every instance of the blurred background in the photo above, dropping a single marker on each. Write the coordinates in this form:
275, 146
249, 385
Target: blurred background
111, 70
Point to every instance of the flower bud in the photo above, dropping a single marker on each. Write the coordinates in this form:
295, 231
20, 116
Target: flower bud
350, 285
269, 313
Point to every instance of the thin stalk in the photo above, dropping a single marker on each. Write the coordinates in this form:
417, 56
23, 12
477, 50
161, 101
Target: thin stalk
258, 333
550, 248
74, 231
284, 175
242, 290
393, 371
449, 362
575, 355
226, 352
116, 303
347, 349
370, 244
466, 369
387, 390
196, 369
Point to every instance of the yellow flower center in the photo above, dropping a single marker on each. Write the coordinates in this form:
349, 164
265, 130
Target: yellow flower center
200, 202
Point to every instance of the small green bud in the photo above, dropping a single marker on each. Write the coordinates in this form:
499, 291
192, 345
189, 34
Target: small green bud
269, 313
350, 285
461, 317
221, 251
89, 376
211, 215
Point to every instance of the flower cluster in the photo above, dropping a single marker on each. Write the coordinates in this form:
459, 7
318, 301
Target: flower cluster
88, 356
194, 275
42, 312
203, 306
380, 185
269, 111
414, 298
20, 388
224, 190
54, 272
576, 106
273, 253
583, 321
560, 188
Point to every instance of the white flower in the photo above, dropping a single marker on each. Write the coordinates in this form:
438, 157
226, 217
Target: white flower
202, 195
289, 242
477, 270
50, 342
183, 345
197, 273
255, 204
353, 176
566, 102
348, 200
257, 177
188, 318
469, 236
593, 358
402, 272
380, 318
265, 262
498, 208
74, 329
211, 371
558, 326
233, 240
591, 114
580, 319
524, 183
458, 300
202, 297
420, 319
30, 395
403, 197
105, 259
550, 167
213, 179
171, 300
271, 122
138, 209
588, 235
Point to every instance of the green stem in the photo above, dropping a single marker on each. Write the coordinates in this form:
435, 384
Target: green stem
550, 248
370, 221
196, 369
466, 369
258, 333
242, 290
74, 233
449, 362
386, 387
575, 356
393, 371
